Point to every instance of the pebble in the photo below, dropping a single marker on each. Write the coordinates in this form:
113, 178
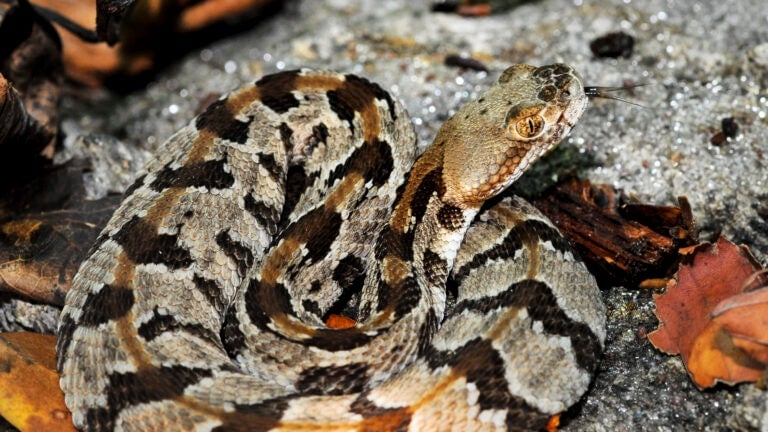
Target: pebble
613, 45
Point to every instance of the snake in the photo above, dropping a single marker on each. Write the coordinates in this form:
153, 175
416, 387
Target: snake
206, 302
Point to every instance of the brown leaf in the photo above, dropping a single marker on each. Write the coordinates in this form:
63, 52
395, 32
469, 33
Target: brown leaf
745, 318
22, 138
709, 316
140, 32
84, 61
30, 397
30, 59
155, 31
109, 16
46, 228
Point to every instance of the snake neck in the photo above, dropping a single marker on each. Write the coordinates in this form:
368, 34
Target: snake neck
424, 232
477, 153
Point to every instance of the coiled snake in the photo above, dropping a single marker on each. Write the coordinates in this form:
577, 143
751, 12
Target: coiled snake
202, 305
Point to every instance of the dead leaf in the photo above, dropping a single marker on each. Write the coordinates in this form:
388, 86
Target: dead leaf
46, 229
109, 16
30, 60
713, 314
745, 318
137, 34
30, 397
22, 138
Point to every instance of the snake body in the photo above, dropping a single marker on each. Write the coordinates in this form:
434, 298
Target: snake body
202, 305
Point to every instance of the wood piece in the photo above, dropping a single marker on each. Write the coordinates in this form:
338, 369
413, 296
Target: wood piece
622, 244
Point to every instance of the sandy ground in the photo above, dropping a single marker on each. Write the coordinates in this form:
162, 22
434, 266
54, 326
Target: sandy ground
701, 62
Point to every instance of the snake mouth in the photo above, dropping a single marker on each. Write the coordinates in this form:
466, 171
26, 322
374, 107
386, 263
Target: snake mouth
564, 120
572, 113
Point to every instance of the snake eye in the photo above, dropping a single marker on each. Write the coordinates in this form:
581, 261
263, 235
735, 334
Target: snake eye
524, 121
530, 127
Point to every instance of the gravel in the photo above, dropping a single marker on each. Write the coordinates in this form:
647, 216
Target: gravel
700, 63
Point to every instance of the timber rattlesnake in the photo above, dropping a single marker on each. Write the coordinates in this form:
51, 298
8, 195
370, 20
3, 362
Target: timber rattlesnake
202, 304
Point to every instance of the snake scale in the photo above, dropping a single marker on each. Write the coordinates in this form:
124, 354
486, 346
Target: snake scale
203, 303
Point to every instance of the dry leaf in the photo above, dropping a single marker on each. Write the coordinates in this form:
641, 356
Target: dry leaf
140, 32
31, 68
46, 228
30, 398
714, 316
22, 138
745, 318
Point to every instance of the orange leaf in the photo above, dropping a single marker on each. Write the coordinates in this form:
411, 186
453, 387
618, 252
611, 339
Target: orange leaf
710, 318
715, 357
30, 398
745, 318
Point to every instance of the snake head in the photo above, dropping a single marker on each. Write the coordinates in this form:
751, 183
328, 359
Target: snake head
491, 141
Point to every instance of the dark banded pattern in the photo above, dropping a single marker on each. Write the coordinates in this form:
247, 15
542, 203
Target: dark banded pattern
531, 231
267, 215
239, 253
275, 91
210, 290
147, 385
537, 298
219, 119
142, 245
333, 380
162, 323
208, 174
110, 303
232, 337
203, 304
